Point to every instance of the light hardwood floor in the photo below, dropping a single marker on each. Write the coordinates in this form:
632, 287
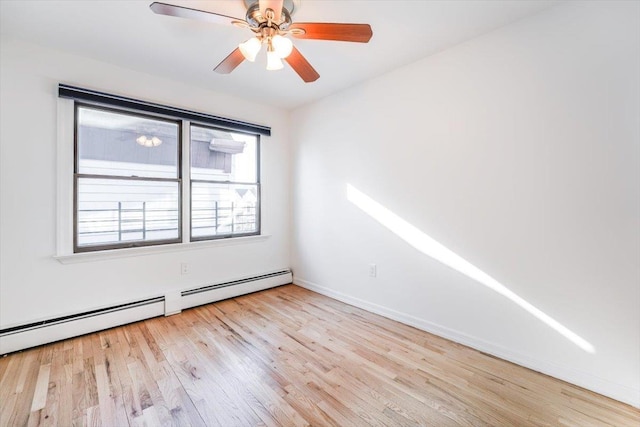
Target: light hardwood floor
283, 357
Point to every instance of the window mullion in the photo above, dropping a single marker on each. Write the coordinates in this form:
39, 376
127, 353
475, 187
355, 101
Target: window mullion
186, 180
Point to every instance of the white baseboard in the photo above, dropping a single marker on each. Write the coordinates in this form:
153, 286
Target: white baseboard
588, 381
45, 332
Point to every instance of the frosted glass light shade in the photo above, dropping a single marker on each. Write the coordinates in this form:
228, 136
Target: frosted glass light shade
250, 48
282, 46
148, 142
273, 61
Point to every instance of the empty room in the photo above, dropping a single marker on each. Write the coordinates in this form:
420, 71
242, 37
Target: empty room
319, 213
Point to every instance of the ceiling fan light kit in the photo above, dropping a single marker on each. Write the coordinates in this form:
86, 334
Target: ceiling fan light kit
282, 46
271, 23
250, 48
267, 32
273, 61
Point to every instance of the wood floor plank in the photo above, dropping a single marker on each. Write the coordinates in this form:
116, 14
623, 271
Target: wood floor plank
8, 385
7, 409
284, 357
26, 386
42, 387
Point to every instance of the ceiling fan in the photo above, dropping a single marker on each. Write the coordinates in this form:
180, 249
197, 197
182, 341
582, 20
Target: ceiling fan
271, 23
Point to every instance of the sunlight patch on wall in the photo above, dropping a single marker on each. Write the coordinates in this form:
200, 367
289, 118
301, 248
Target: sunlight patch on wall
437, 251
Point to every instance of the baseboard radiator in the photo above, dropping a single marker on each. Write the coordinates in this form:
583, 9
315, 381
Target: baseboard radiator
51, 330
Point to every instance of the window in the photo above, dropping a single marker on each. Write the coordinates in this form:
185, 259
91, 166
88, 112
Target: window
224, 183
127, 192
139, 172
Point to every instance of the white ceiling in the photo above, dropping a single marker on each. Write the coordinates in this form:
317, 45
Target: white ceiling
128, 34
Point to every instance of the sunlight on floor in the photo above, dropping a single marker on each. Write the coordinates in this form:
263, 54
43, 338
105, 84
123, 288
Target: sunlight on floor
437, 251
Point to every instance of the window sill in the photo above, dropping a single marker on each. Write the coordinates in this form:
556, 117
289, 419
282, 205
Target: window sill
151, 250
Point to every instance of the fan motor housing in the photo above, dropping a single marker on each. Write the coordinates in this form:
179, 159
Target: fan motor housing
256, 19
290, 5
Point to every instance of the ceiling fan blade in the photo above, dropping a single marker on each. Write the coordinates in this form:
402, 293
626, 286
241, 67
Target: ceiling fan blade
186, 12
360, 33
230, 63
275, 5
301, 66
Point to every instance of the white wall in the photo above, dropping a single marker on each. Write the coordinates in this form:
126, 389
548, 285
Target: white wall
519, 151
33, 285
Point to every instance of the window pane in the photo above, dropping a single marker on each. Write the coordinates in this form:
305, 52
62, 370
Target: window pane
223, 209
219, 155
112, 211
123, 144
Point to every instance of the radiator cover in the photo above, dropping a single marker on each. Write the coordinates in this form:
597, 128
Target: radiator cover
33, 334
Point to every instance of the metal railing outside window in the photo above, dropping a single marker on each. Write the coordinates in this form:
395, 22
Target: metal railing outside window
135, 221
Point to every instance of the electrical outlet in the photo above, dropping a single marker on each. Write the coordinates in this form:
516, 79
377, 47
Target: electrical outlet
184, 268
373, 270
